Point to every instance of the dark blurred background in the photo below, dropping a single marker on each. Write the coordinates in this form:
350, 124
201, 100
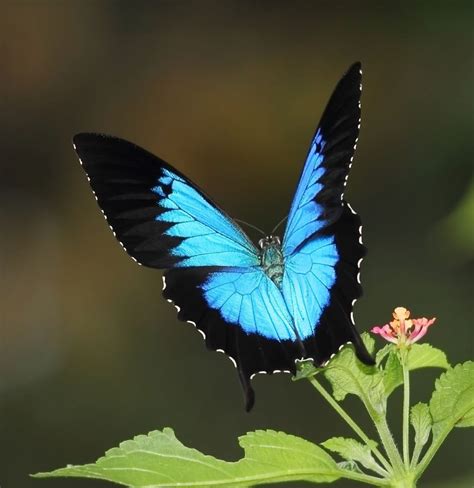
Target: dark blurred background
230, 93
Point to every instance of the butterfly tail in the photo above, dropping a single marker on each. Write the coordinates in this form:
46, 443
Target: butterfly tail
361, 351
249, 393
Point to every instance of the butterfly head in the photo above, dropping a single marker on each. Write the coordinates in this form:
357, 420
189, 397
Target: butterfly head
269, 241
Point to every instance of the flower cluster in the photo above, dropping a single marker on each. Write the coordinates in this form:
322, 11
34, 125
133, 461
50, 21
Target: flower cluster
402, 330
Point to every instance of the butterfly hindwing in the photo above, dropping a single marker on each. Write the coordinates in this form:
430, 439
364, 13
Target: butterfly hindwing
245, 318
321, 284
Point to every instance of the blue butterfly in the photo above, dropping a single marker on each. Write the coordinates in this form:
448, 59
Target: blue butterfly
265, 306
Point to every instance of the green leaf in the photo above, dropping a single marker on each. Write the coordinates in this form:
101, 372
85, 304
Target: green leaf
452, 403
420, 419
348, 375
419, 356
382, 353
159, 459
393, 372
368, 341
351, 450
426, 356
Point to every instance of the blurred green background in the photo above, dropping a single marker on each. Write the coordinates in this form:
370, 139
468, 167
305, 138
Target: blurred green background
230, 93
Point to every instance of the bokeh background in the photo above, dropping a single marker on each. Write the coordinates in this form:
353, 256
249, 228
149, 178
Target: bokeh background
229, 92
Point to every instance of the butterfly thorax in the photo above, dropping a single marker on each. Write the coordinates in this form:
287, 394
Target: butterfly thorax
271, 258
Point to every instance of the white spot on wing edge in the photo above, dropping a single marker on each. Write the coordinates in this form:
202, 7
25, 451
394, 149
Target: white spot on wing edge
252, 376
228, 355
358, 269
303, 360
277, 371
199, 330
351, 209
360, 242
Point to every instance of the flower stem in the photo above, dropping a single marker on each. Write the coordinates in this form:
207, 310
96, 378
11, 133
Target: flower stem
337, 407
406, 408
388, 443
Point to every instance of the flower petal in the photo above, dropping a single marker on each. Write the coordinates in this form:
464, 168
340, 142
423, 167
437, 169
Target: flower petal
421, 328
386, 332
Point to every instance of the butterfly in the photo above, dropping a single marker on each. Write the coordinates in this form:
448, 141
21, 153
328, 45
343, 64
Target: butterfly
265, 306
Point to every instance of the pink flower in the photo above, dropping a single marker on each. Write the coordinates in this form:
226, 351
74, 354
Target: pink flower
404, 331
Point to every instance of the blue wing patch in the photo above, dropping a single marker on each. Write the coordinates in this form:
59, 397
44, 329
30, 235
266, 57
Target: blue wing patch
248, 298
305, 213
207, 236
309, 277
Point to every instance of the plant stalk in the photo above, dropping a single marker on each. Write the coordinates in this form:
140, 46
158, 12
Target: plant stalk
406, 408
388, 443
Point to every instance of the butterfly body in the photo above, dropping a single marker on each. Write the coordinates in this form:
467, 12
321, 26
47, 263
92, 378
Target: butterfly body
272, 260
265, 306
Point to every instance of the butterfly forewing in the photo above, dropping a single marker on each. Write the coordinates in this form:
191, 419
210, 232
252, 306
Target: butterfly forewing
159, 216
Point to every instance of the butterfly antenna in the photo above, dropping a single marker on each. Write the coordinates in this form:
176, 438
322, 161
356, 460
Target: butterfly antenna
279, 223
251, 226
